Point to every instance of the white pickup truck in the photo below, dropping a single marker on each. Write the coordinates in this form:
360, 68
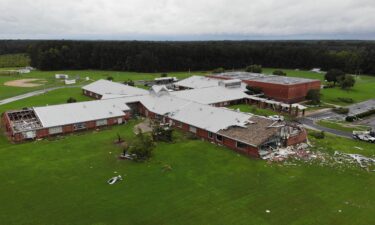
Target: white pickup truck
364, 136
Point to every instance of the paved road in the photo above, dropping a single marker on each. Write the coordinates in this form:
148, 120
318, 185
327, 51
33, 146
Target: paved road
30, 94
309, 123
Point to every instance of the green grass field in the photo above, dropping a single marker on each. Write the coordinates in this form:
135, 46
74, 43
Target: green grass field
343, 126
363, 89
253, 109
63, 181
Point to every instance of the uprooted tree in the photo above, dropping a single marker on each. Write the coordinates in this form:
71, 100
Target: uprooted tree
142, 146
162, 133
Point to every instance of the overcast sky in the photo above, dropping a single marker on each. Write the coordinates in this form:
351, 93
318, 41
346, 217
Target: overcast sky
187, 19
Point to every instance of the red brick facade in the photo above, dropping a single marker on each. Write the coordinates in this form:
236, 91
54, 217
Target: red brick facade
289, 93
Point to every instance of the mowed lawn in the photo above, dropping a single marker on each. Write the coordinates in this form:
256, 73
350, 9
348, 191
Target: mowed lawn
49, 76
253, 109
362, 90
64, 182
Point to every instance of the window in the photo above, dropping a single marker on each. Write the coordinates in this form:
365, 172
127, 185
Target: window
219, 137
79, 126
193, 129
241, 145
210, 135
101, 123
177, 124
55, 130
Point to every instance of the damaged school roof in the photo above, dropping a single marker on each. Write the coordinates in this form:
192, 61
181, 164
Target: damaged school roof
255, 133
198, 82
210, 118
107, 88
58, 115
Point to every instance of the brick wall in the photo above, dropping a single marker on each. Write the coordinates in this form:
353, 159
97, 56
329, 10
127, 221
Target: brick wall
68, 129
42, 133
301, 137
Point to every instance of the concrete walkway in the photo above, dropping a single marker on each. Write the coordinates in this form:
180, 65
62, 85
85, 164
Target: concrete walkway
31, 94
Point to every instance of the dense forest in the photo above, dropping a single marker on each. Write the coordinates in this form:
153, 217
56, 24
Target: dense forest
147, 56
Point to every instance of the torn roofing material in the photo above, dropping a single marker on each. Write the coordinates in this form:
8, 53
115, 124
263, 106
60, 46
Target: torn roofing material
107, 88
255, 133
58, 115
210, 118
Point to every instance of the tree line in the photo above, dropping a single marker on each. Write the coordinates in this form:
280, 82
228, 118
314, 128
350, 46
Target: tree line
357, 57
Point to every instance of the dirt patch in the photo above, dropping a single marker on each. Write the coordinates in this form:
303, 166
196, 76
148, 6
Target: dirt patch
25, 83
145, 126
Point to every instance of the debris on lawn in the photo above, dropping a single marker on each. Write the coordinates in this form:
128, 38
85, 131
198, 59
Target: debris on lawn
361, 160
114, 180
166, 168
301, 152
268, 211
128, 156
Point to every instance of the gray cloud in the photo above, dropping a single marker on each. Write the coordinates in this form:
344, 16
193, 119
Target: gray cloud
187, 19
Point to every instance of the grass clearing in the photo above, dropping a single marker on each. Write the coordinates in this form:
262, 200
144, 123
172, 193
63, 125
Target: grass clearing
362, 90
63, 181
253, 109
343, 126
207, 184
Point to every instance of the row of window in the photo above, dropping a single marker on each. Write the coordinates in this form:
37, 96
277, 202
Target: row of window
211, 135
81, 126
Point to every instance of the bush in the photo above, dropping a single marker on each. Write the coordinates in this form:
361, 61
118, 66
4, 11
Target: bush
163, 75
279, 73
346, 82
368, 113
346, 100
110, 78
71, 100
254, 69
219, 70
318, 135
130, 83
341, 110
314, 96
349, 118
329, 85
253, 90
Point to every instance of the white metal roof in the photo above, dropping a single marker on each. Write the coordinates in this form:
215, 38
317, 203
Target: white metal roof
165, 78
210, 118
105, 87
212, 95
58, 115
198, 82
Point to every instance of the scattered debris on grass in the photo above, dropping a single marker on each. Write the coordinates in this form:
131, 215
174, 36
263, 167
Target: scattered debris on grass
302, 152
166, 168
114, 180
